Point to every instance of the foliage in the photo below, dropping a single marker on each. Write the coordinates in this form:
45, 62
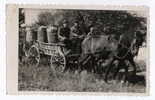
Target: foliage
45, 18
107, 22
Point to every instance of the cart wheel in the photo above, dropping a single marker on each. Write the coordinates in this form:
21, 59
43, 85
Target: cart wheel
33, 56
58, 62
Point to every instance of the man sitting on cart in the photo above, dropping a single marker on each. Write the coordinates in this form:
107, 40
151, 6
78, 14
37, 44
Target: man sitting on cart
76, 36
64, 37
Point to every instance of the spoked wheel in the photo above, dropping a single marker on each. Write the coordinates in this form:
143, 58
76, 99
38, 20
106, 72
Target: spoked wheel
58, 62
33, 56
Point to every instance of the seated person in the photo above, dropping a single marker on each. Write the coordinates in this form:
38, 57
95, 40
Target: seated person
90, 34
76, 36
76, 31
92, 31
63, 35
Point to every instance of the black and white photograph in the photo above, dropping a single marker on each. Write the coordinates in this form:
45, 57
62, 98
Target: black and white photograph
83, 50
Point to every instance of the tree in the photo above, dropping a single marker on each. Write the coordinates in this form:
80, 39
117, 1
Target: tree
106, 21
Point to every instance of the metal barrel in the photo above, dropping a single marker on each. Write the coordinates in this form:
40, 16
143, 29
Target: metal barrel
42, 34
52, 34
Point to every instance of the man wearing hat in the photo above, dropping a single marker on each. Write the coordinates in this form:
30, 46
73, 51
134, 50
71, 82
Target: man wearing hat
64, 35
76, 30
76, 36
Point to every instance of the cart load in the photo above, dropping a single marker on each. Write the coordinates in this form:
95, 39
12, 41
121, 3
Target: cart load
46, 44
42, 34
52, 34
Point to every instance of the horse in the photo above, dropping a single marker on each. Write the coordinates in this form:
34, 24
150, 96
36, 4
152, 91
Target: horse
108, 48
92, 48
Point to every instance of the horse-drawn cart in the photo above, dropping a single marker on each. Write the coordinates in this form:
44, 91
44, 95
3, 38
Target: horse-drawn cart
54, 50
47, 44
40, 46
98, 52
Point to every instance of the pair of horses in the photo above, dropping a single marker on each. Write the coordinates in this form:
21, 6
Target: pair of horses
105, 50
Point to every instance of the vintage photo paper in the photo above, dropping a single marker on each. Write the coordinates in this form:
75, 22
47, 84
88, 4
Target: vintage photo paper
77, 50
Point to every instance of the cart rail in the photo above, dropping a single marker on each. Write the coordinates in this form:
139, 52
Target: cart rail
51, 44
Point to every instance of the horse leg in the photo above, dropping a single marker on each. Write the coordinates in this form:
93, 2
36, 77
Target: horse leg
117, 70
80, 67
93, 64
81, 60
126, 71
108, 70
67, 65
133, 64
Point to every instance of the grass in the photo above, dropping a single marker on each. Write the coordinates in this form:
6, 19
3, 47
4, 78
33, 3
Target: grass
43, 78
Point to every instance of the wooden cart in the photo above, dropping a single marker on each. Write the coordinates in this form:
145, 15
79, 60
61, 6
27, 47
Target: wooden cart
54, 50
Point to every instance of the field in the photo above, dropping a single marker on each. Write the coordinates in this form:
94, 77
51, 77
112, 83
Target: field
43, 78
